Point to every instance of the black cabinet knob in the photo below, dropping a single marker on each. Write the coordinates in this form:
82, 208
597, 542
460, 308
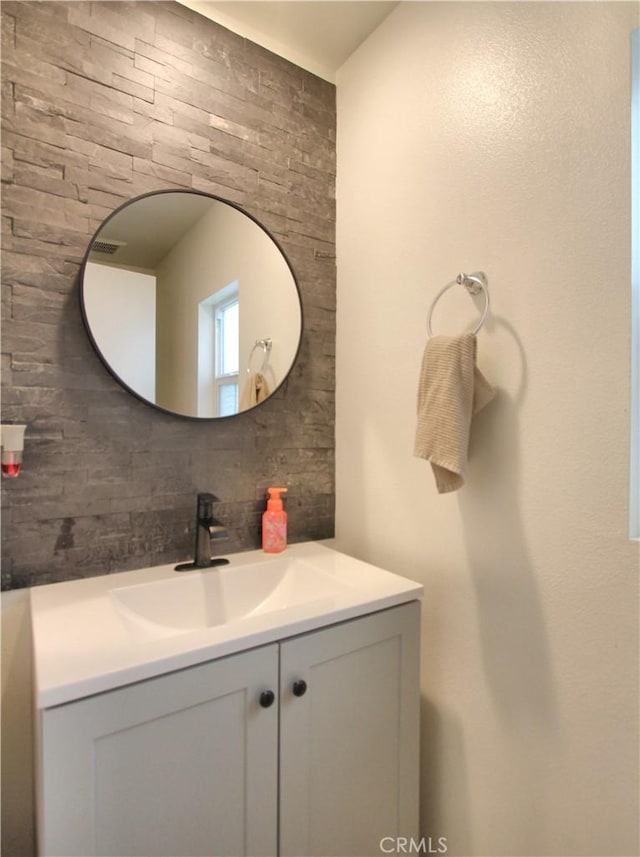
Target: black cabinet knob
299, 687
267, 698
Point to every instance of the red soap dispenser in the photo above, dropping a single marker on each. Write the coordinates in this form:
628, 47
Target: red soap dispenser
274, 523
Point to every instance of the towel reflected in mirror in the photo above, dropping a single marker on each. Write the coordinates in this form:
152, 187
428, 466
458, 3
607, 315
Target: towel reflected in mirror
256, 390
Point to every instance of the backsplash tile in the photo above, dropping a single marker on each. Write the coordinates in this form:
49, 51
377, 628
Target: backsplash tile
102, 102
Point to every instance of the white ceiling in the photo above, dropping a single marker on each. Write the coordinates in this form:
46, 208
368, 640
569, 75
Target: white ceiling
318, 35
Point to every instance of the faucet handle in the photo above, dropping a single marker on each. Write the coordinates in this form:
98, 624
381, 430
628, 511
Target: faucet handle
218, 532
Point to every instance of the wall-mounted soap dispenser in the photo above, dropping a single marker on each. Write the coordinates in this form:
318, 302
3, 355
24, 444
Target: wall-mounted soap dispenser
12, 442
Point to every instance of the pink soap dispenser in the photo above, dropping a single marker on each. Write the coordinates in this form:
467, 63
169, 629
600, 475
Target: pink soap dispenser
274, 523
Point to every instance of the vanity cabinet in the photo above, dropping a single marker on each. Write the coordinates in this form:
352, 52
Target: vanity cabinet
183, 764
307, 746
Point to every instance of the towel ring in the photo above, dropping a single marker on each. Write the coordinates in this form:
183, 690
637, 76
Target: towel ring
474, 284
266, 345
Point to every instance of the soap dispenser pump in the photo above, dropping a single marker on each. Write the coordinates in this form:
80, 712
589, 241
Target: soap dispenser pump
274, 523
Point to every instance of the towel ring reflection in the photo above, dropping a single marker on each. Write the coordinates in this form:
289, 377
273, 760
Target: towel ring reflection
266, 345
474, 284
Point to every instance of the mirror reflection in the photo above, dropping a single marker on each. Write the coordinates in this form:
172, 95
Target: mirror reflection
191, 304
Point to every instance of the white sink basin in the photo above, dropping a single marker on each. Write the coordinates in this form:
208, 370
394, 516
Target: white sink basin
102, 632
215, 596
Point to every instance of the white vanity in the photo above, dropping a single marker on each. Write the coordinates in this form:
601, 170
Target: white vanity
267, 707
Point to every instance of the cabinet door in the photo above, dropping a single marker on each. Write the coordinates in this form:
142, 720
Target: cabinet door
349, 744
184, 764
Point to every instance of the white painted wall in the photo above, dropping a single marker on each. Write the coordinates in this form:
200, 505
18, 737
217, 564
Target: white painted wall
17, 726
121, 307
495, 136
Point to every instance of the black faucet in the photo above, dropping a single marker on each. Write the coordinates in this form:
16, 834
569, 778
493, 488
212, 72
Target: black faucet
207, 529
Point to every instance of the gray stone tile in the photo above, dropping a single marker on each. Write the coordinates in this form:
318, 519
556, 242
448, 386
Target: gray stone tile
104, 101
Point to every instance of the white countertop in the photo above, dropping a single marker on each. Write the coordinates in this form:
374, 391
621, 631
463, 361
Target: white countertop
84, 644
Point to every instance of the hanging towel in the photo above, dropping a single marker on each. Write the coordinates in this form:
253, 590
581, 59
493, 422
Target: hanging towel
255, 391
451, 390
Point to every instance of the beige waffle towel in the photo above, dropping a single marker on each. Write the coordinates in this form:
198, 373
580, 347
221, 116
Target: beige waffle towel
255, 391
451, 389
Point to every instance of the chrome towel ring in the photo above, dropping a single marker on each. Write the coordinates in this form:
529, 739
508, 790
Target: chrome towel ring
474, 284
266, 345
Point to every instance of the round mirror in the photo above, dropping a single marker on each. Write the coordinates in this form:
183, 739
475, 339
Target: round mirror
191, 304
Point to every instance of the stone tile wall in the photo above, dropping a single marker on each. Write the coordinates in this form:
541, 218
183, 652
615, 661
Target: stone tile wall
102, 102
